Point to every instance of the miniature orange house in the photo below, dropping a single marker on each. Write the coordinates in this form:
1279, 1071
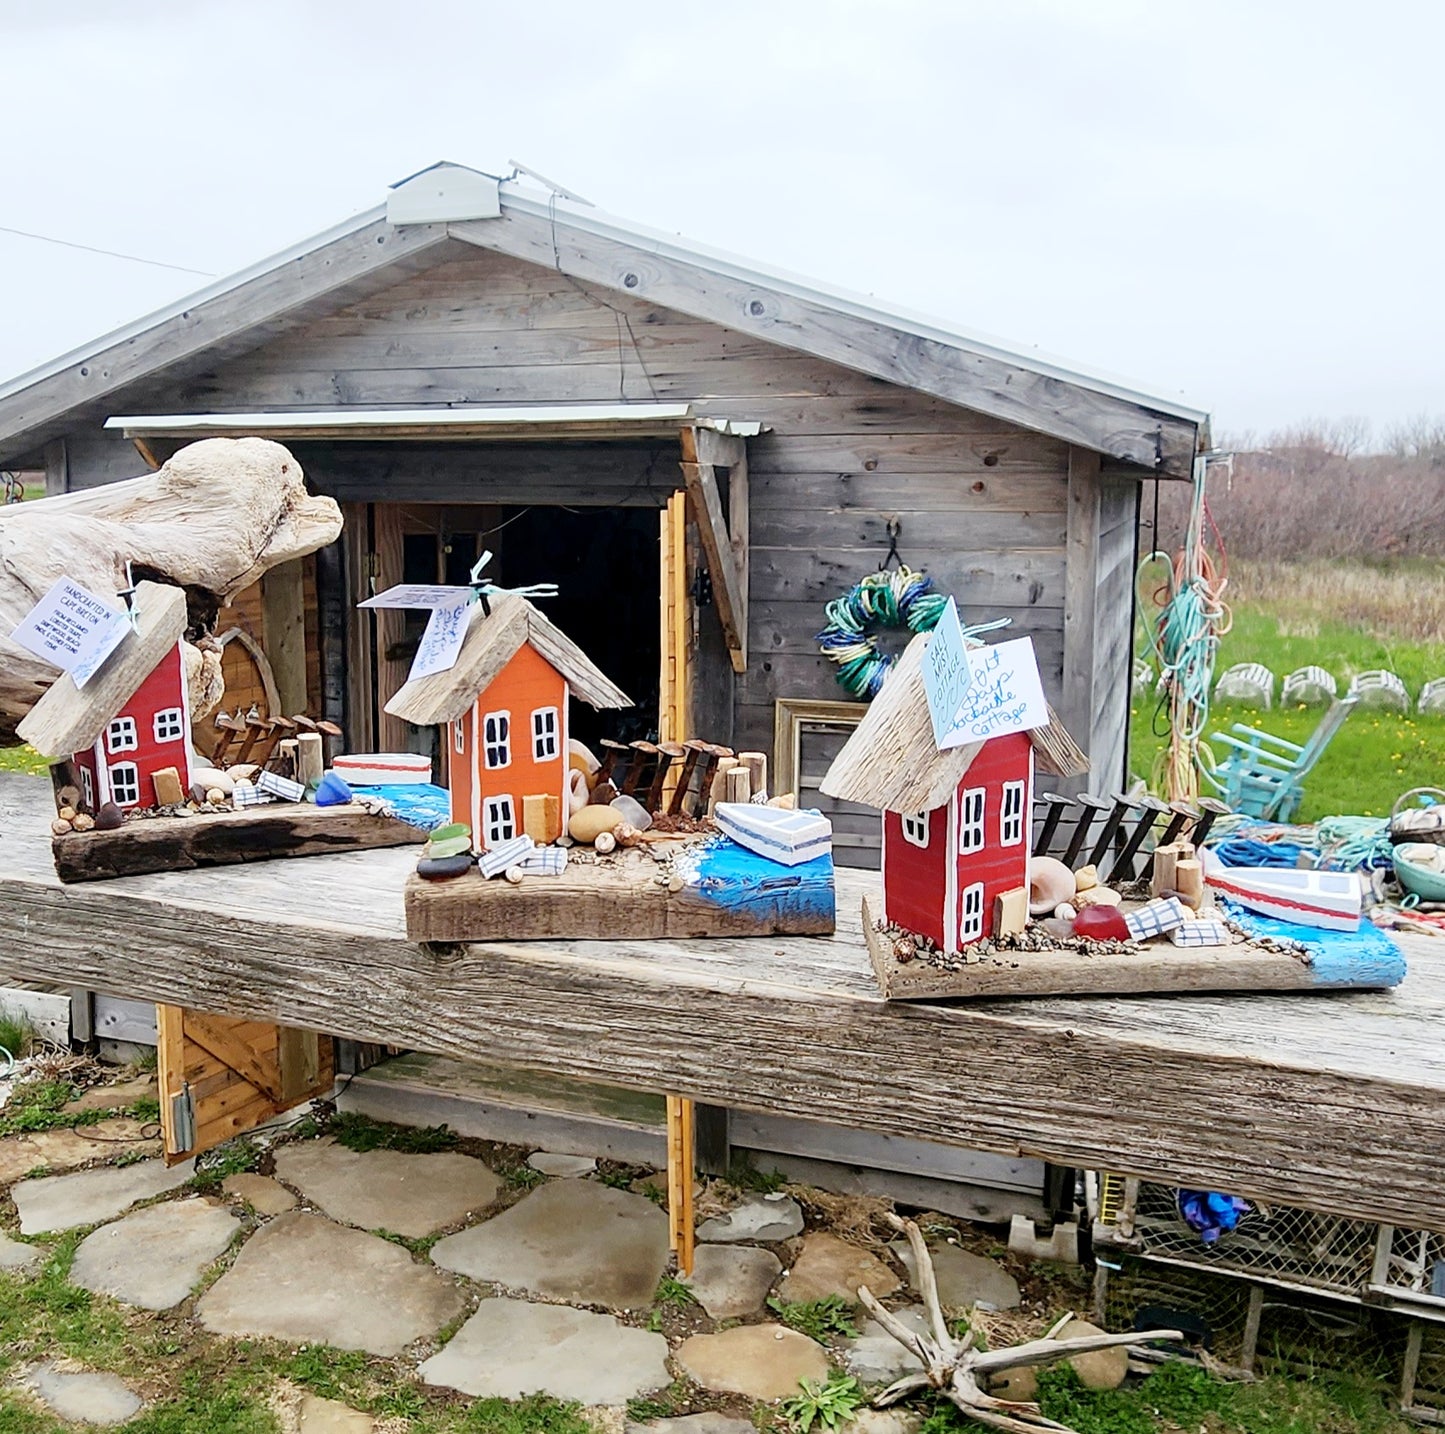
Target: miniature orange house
504, 707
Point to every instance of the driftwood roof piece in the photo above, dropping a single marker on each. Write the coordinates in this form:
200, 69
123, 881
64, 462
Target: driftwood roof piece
890, 760
490, 644
69, 718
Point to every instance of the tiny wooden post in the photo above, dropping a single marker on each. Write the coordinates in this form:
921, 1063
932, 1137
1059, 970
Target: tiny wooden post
1161, 876
286, 758
717, 792
757, 765
680, 1141
737, 784
310, 758
1189, 881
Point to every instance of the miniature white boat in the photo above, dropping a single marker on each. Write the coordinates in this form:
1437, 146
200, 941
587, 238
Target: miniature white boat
789, 837
1327, 899
380, 769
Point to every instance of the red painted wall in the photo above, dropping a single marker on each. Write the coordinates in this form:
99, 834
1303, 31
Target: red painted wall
914, 878
165, 688
999, 868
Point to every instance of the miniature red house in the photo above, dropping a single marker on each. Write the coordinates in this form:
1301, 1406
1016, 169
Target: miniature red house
957, 823
132, 719
503, 706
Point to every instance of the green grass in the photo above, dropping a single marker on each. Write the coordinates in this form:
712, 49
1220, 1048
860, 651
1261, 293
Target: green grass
831, 1315
824, 1406
1346, 618
672, 1291
361, 1133
23, 759
17, 1035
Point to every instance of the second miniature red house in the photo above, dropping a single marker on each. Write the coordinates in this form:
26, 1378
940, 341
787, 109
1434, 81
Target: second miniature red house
132, 719
956, 823
503, 708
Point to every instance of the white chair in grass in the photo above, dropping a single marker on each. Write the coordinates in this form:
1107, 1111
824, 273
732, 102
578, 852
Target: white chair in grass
1379, 688
1432, 696
1248, 682
1312, 686
1143, 673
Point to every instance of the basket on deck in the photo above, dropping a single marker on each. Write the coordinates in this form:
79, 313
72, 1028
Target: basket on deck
1417, 822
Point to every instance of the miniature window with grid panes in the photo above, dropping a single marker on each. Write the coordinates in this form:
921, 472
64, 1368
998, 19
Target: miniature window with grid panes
1011, 815
970, 926
544, 734
497, 739
499, 821
970, 821
915, 828
125, 784
167, 724
120, 735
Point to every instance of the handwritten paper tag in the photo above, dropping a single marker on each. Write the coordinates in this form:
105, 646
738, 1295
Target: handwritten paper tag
441, 643
946, 675
1004, 694
72, 628
433, 595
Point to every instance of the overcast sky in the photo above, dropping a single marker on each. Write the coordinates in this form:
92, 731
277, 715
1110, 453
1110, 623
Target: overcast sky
1240, 204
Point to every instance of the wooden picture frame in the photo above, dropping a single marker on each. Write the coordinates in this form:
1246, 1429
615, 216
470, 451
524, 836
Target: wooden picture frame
790, 716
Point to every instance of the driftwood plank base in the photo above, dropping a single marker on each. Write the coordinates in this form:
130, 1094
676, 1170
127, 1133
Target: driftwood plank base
723, 891
1157, 967
149, 844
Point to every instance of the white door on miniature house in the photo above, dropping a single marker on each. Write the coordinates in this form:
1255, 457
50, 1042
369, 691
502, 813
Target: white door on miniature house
970, 913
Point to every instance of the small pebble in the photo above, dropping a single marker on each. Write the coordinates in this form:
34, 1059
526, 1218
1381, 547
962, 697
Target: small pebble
437, 868
215, 796
515, 875
60, 826
67, 814
109, 817
605, 842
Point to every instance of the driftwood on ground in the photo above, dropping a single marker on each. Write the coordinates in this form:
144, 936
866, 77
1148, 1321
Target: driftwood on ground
212, 520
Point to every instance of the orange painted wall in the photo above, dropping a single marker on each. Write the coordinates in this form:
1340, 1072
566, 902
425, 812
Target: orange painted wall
528, 682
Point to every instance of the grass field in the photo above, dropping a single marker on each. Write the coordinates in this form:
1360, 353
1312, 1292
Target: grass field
1346, 618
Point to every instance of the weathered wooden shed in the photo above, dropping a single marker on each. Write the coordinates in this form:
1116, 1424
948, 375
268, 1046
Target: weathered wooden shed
700, 451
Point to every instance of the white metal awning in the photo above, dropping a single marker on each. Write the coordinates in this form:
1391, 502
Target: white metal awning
478, 421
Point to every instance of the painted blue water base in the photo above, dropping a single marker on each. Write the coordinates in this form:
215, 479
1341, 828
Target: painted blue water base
1367, 959
726, 875
419, 804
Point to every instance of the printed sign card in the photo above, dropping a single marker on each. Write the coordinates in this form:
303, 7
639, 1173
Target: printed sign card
1004, 694
72, 628
419, 595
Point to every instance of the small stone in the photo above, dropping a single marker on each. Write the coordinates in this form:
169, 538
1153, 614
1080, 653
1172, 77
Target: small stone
83, 822
263, 1194
410, 1195
438, 868
109, 817
574, 1240
1100, 1368
60, 826
965, 1279
758, 1217
514, 876
215, 796
564, 1167
761, 1361
591, 821
83, 1396
875, 1357
441, 847
67, 814
511, 1348
61, 1202
829, 1266
316, 1415
605, 842
332, 791
16, 1255
731, 1281
154, 1257
1101, 923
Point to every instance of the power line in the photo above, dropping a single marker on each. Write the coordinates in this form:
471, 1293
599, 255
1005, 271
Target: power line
109, 253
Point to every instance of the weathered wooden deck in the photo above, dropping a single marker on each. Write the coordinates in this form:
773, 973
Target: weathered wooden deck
1334, 1102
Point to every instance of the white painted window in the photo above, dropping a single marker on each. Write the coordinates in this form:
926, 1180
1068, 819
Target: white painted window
915, 829
970, 925
544, 734
500, 823
87, 785
1011, 815
459, 737
121, 736
168, 724
125, 784
497, 739
970, 821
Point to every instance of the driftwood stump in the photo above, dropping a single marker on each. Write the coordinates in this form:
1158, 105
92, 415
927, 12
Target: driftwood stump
212, 520
958, 1371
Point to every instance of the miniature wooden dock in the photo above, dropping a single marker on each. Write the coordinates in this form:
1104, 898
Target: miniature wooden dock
1334, 1103
283, 829
713, 889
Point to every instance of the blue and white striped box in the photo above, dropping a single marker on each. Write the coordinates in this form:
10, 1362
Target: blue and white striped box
279, 786
509, 853
1156, 917
545, 861
1207, 931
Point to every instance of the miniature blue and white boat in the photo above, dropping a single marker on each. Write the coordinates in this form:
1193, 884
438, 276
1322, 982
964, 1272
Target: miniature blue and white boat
1327, 899
789, 837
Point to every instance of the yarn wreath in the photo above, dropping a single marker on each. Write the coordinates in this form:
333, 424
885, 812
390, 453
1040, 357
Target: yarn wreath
898, 599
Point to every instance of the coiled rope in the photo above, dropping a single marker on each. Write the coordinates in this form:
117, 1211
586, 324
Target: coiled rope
1185, 616
901, 598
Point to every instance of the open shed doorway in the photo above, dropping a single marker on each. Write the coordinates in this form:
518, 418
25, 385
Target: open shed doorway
608, 564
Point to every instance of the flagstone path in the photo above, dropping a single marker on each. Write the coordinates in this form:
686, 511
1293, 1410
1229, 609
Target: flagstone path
313, 1269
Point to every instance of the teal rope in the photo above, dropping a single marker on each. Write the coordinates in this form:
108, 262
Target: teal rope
902, 598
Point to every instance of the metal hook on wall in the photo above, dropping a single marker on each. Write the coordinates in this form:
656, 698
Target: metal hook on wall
893, 528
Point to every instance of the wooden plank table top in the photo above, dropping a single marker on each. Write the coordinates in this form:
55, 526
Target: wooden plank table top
1335, 1102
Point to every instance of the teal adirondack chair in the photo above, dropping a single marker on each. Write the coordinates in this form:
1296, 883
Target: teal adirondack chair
1263, 776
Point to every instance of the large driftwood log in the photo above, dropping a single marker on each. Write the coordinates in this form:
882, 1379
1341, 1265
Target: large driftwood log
212, 520
959, 1372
